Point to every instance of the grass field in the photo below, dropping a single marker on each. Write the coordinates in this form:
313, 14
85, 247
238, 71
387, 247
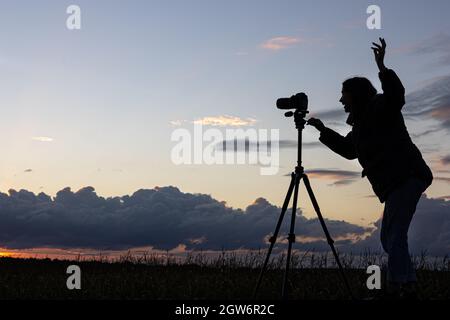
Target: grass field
224, 276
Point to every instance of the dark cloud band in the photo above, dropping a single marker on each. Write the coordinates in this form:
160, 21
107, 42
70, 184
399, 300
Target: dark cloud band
166, 217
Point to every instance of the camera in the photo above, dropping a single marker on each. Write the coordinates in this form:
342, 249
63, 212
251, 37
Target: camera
298, 102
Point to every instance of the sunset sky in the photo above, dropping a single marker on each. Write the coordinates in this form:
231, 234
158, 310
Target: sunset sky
97, 106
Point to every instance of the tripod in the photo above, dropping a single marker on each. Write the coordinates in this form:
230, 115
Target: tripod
296, 176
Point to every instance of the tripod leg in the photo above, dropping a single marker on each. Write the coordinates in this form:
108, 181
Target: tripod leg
273, 238
327, 234
291, 236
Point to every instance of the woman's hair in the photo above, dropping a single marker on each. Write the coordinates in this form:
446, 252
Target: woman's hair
360, 89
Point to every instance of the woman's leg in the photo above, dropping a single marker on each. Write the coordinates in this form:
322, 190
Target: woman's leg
398, 212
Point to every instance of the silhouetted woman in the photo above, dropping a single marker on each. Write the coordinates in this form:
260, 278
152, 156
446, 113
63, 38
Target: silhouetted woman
392, 163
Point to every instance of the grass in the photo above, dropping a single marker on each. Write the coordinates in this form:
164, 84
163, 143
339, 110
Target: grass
201, 276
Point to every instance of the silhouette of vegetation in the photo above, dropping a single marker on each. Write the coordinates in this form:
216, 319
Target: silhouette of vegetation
200, 275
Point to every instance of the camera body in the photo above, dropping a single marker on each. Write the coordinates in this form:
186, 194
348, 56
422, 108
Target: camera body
299, 102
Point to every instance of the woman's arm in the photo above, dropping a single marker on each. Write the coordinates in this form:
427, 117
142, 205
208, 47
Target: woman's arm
393, 89
333, 140
339, 144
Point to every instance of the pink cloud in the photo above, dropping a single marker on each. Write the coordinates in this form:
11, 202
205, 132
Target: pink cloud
279, 43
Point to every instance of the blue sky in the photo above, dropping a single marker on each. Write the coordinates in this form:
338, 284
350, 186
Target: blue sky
106, 94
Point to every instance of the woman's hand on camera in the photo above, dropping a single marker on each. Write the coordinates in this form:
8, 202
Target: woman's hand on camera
316, 123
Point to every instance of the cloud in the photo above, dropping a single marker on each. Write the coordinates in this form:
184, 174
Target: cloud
248, 144
425, 133
279, 43
292, 144
334, 114
42, 139
444, 179
177, 123
438, 45
342, 182
354, 24
218, 121
446, 160
339, 177
431, 101
226, 121
163, 218
166, 218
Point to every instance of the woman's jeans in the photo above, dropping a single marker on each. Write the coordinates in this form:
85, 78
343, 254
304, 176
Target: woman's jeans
399, 209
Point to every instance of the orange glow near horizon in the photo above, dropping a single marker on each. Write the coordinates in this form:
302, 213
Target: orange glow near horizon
4, 254
85, 253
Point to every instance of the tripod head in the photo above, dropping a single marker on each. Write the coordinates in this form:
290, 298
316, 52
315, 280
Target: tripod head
299, 117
